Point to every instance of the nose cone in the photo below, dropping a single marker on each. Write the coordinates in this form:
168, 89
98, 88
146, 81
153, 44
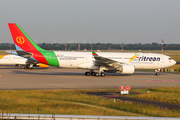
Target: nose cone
173, 62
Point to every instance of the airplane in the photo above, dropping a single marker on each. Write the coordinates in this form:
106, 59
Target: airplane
126, 63
19, 61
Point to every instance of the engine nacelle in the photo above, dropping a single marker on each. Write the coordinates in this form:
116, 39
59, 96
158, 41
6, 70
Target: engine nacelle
41, 65
127, 69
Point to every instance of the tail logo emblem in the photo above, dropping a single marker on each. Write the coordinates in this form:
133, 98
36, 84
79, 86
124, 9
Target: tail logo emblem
20, 40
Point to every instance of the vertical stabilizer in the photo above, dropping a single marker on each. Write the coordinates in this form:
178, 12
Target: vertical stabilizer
25, 44
22, 41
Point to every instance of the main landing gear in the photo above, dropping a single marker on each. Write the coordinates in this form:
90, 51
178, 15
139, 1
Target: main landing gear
29, 66
97, 74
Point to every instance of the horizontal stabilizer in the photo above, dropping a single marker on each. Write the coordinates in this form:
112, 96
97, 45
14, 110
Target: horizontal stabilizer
20, 53
25, 54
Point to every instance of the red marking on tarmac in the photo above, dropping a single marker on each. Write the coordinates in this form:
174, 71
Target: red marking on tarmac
161, 80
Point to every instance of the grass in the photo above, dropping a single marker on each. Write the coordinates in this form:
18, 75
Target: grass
75, 103
176, 58
54, 101
167, 94
175, 67
165, 52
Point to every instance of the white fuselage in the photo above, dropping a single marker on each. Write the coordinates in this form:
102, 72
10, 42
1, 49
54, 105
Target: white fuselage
85, 60
140, 61
12, 60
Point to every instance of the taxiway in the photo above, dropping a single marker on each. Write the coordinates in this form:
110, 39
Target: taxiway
16, 78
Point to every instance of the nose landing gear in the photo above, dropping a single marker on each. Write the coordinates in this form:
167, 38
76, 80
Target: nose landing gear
157, 72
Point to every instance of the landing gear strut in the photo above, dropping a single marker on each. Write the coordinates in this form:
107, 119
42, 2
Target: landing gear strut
28, 66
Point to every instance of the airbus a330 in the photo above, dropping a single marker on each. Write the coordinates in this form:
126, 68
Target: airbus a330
102, 62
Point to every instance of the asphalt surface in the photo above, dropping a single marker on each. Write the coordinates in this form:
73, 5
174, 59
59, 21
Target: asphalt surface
141, 101
14, 78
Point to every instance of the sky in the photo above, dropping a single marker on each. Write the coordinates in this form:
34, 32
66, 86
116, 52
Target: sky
93, 21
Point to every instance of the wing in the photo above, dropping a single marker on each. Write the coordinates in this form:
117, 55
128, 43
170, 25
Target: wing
27, 55
99, 60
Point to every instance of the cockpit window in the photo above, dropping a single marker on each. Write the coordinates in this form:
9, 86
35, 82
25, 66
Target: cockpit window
170, 58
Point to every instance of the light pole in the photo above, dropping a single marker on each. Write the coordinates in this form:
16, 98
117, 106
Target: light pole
91, 47
79, 47
162, 45
122, 46
65, 46
10, 48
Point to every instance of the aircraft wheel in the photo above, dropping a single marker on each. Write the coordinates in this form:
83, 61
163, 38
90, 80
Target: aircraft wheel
87, 73
30, 68
97, 74
102, 74
93, 73
157, 74
26, 67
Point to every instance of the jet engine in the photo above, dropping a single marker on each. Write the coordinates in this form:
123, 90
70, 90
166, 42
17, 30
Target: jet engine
41, 65
126, 69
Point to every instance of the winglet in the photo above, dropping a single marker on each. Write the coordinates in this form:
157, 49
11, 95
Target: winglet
94, 54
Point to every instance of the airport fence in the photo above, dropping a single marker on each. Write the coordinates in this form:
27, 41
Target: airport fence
8, 116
